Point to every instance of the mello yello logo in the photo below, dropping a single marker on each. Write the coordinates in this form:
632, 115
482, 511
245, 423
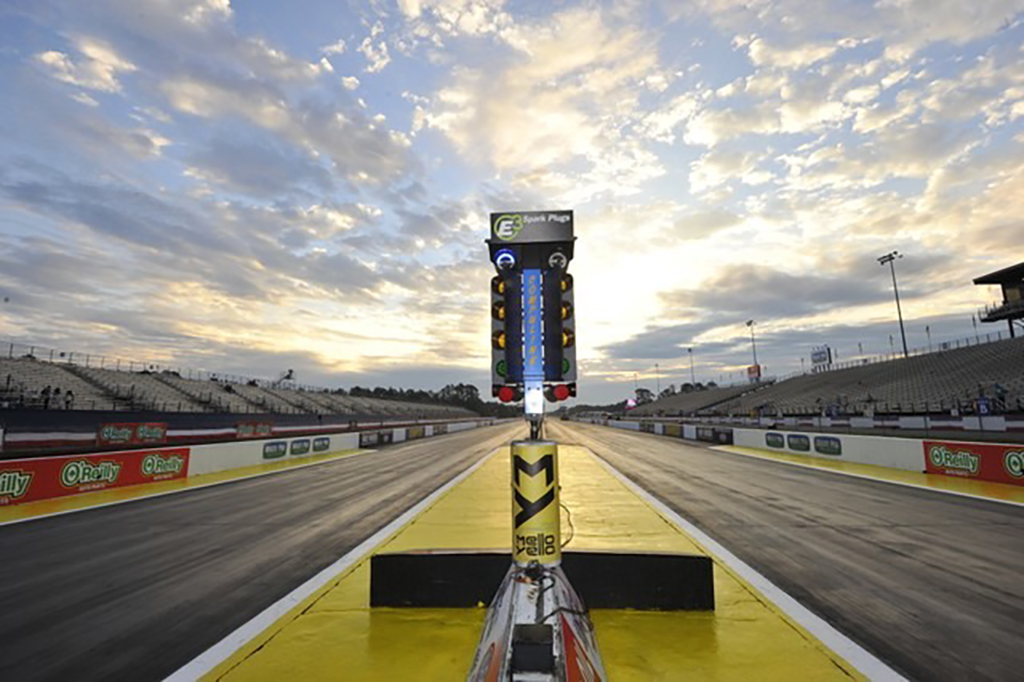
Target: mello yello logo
155, 465
14, 483
962, 460
1013, 461
81, 472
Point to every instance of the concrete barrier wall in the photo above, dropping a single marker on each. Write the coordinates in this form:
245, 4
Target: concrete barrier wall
207, 459
38, 478
897, 453
997, 462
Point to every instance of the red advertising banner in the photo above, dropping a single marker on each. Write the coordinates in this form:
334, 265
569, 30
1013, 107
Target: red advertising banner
145, 433
254, 430
28, 480
983, 461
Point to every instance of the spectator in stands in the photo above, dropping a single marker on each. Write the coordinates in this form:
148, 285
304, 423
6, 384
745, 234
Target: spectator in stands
69, 399
56, 398
45, 394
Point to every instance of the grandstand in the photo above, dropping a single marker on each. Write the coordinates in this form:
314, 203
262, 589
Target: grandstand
25, 378
942, 382
695, 401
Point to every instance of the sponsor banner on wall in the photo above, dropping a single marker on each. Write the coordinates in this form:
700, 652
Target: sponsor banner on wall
275, 449
985, 461
253, 430
647, 427
798, 442
828, 445
774, 440
706, 433
322, 444
440, 428
414, 432
28, 480
673, 430
300, 446
368, 438
132, 433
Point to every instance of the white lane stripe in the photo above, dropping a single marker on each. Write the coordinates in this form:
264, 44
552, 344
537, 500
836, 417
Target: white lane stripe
180, 490
866, 477
223, 649
865, 662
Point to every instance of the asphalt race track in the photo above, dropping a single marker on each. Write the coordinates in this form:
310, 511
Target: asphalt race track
135, 591
929, 582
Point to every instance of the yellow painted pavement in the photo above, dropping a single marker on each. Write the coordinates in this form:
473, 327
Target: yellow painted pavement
134, 492
965, 486
335, 635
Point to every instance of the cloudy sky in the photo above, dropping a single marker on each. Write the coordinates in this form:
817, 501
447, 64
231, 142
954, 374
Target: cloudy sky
257, 186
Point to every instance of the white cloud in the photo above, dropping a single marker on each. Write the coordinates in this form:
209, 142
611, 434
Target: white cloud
719, 166
376, 53
762, 54
350, 82
97, 68
84, 98
337, 47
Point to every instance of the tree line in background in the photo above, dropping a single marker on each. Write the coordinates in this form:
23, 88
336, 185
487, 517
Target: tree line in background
459, 395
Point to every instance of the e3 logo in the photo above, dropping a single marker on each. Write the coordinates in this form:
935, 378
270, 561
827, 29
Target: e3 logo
506, 227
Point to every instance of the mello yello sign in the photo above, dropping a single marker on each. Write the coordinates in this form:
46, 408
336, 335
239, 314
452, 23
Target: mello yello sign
28, 480
983, 461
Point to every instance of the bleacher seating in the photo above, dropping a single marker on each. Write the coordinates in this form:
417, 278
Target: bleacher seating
218, 397
682, 404
139, 390
933, 382
23, 379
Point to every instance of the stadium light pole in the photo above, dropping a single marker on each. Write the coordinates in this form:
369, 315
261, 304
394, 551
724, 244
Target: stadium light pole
657, 378
890, 258
753, 344
693, 377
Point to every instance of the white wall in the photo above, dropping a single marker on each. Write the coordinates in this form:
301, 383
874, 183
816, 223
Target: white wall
898, 453
206, 459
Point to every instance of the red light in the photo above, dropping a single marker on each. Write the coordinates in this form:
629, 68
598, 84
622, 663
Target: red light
561, 392
506, 394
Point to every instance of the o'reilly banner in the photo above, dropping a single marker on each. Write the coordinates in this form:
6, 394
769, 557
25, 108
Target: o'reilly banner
27, 480
986, 461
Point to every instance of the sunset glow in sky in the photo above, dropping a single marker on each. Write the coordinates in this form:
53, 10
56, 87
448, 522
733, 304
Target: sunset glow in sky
257, 186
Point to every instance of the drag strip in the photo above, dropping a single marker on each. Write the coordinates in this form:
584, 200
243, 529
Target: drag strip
135, 591
928, 582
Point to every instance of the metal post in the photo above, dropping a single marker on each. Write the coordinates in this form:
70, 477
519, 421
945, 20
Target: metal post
753, 344
890, 258
693, 376
657, 380
536, 523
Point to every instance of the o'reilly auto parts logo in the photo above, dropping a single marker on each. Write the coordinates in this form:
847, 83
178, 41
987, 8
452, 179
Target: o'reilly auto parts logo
155, 465
1013, 462
960, 460
508, 226
82, 472
14, 484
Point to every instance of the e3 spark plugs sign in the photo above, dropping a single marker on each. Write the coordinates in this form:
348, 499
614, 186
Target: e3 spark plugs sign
28, 480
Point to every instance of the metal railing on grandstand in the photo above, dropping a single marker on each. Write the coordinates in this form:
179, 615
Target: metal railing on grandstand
116, 396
